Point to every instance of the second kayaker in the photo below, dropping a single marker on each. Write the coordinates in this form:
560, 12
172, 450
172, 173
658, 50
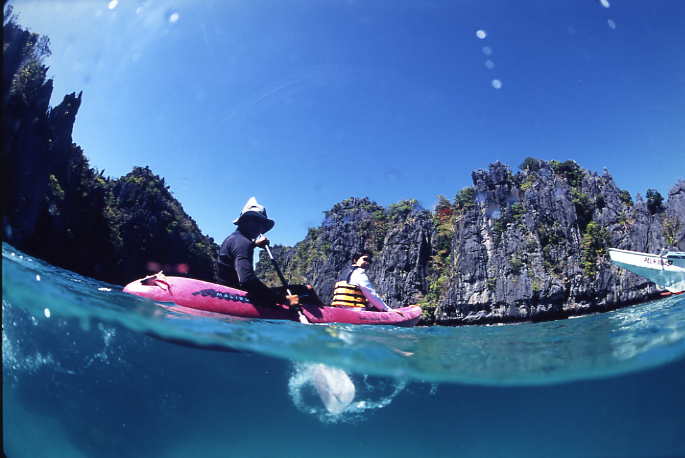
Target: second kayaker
354, 289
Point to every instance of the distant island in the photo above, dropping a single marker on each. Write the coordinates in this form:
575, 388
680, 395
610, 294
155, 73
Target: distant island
530, 245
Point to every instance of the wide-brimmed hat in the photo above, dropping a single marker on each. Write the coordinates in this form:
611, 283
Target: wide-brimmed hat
252, 209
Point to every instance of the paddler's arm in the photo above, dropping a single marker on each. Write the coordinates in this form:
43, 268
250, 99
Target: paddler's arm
291, 299
249, 281
360, 279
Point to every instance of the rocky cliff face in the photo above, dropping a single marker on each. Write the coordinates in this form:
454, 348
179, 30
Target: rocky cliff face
514, 247
400, 237
533, 246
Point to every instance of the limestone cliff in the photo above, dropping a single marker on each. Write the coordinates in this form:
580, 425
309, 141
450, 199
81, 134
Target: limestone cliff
513, 247
56, 207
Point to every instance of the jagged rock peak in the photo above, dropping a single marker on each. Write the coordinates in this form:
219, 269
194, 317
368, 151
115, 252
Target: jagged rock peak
497, 174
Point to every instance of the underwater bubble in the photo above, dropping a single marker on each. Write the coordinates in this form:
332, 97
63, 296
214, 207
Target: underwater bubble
605, 3
113, 4
329, 393
481, 34
497, 84
46, 312
612, 24
487, 50
489, 64
174, 17
37, 277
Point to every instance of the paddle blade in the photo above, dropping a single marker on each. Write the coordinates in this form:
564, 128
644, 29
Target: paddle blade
301, 317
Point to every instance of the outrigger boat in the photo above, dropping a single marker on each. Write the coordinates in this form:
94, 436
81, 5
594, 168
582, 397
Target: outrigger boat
666, 269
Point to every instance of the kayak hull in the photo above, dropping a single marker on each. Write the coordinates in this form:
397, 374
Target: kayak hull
212, 297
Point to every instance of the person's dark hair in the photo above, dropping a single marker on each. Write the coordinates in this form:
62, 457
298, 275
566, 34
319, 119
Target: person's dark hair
359, 254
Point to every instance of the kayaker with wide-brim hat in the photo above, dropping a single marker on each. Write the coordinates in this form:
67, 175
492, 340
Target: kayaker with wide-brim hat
236, 254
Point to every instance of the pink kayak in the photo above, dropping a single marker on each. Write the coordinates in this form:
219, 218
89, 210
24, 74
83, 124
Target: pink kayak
202, 295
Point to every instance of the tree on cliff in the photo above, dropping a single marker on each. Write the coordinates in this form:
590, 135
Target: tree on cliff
655, 201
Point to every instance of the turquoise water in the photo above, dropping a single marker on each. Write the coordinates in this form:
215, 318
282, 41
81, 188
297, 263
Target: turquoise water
90, 371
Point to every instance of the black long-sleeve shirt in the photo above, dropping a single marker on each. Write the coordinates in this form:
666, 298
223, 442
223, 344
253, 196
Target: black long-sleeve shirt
236, 271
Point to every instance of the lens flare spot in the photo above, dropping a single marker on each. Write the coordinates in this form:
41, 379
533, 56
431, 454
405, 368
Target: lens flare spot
481, 34
497, 84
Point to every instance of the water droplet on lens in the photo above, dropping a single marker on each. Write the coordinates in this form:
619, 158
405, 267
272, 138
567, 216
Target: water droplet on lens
497, 84
481, 34
489, 64
487, 50
612, 24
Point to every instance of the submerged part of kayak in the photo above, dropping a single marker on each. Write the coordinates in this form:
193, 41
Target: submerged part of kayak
211, 297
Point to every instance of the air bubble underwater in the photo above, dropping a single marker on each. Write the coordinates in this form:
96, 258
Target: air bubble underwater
332, 396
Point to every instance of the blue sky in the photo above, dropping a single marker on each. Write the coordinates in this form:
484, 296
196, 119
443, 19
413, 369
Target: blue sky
305, 103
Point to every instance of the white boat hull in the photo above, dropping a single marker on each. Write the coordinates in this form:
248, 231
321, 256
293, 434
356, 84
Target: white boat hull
667, 271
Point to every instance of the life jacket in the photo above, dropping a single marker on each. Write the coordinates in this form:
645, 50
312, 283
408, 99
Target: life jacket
347, 295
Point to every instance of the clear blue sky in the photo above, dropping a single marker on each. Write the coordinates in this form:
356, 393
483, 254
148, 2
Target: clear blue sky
305, 103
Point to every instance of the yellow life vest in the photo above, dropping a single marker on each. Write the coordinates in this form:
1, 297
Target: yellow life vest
347, 295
